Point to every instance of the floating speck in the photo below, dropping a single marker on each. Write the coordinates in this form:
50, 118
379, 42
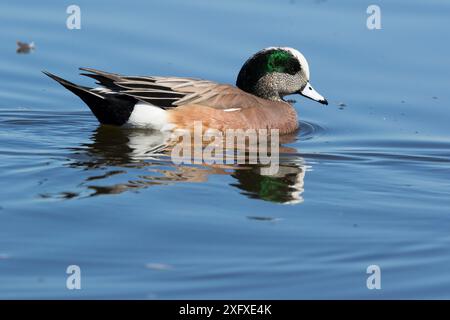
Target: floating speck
44, 195
23, 47
434, 97
68, 195
341, 104
261, 218
41, 182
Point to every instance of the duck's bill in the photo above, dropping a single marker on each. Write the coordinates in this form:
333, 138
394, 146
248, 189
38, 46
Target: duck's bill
309, 92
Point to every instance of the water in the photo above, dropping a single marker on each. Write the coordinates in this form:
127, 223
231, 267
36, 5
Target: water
362, 183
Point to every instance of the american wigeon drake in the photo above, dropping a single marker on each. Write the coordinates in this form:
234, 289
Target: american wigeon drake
166, 103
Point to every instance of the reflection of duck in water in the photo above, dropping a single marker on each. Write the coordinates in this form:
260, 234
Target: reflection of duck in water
284, 187
121, 149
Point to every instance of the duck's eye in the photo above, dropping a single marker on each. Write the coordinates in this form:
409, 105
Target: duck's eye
309, 88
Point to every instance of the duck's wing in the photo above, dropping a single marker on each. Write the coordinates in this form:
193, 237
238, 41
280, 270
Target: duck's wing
169, 92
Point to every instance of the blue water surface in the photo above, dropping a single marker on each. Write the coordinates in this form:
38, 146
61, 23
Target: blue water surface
366, 181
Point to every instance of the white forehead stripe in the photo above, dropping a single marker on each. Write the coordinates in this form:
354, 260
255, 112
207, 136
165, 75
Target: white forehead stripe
300, 58
298, 55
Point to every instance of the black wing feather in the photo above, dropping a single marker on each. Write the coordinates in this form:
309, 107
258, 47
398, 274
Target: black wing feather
141, 88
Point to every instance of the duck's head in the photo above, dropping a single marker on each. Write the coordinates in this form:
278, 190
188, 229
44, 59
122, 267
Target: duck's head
275, 72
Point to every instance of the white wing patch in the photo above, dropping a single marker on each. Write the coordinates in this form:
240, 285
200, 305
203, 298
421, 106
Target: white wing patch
147, 116
232, 109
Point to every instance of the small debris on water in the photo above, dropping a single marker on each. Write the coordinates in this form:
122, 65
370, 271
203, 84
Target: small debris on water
23, 47
261, 218
341, 105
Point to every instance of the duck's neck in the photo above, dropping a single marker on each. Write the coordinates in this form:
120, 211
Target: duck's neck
269, 96
263, 88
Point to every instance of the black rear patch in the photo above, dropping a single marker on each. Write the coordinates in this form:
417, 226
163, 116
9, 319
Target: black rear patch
115, 109
112, 109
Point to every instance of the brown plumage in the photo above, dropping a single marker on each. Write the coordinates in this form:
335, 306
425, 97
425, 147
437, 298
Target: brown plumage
217, 106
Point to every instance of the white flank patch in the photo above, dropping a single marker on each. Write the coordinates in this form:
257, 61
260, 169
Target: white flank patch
147, 116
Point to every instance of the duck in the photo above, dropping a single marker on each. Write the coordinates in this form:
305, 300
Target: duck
257, 101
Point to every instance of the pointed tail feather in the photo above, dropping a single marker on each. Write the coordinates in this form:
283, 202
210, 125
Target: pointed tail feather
94, 101
109, 109
75, 88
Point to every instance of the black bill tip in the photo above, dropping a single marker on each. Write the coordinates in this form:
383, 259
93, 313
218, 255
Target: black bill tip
324, 101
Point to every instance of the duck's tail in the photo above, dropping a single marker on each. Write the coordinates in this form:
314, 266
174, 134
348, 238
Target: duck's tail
104, 107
